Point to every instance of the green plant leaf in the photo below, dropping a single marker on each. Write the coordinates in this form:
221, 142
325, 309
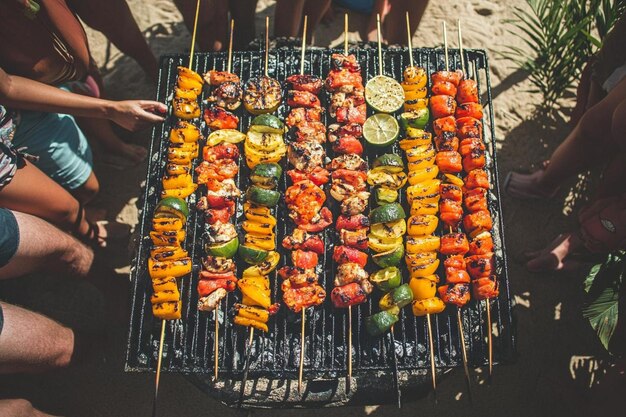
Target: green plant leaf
602, 314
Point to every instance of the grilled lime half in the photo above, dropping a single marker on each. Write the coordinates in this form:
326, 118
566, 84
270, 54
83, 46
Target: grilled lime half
384, 94
381, 129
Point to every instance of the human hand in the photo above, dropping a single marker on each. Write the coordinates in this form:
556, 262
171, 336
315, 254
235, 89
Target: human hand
137, 114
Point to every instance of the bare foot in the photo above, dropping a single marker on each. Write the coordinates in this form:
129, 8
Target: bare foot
555, 256
528, 186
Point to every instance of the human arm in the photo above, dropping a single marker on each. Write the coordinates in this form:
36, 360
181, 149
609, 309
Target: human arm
25, 94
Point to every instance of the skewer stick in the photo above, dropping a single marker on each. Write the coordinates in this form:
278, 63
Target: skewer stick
301, 352
408, 37
230, 46
349, 385
464, 351
345, 34
193, 37
246, 367
217, 340
303, 45
445, 43
395, 369
267, 41
349, 381
489, 341
301, 371
458, 25
432, 356
158, 370
380, 50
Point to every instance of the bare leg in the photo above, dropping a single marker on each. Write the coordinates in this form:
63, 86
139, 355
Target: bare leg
381, 7
315, 10
395, 23
101, 131
288, 17
243, 12
33, 192
31, 342
43, 247
614, 173
212, 22
587, 145
19, 408
115, 20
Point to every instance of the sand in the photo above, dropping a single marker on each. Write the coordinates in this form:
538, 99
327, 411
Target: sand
556, 346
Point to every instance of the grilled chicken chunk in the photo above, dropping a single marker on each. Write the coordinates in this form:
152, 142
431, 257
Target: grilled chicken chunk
306, 156
297, 298
218, 264
227, 95
350, 272
211, 301
216, 78
355, 204
351, 162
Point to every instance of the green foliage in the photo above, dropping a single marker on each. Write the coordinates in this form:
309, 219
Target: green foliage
603, 286
560, 35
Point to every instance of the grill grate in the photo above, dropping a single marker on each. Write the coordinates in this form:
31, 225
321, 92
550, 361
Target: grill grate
189, 342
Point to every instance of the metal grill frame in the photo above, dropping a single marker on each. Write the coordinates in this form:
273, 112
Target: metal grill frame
189, 342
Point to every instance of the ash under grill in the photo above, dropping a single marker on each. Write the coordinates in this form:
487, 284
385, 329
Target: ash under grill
189, 342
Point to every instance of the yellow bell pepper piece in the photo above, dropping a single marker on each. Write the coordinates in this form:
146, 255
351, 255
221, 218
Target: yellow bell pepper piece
264, 268
422, 271
266, 242
422, 175
166, 223
179, 156
180, 192
424, 207
185, 132
168, 253
165, 296
177, 169
257, 228
421, 163
421, 258
422, 225
417, 104
414, 94
164, 284
253, 313
432, 305
253, 293
164, 269
426, 189
170, 310
246, 322
177, 181
422, 288
422, 244
167, 238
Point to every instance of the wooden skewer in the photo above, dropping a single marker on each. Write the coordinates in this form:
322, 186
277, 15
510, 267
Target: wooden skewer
408, 37
464, 351
395, 369
301, 370
432, 356
380, 50
158, 369
301, 352
445, 43
162, 337
345, 34
306, 18
349, 380
349, 384
230, 46
267, 41
216, 353
458, 25
246, 368
489, 341
193, 36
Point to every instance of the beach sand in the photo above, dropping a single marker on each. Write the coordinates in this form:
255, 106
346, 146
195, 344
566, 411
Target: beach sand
552, 337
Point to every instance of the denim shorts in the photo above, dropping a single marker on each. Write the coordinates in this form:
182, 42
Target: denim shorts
62, 148
9, 236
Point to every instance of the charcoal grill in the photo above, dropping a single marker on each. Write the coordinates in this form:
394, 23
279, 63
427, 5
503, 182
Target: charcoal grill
273, 370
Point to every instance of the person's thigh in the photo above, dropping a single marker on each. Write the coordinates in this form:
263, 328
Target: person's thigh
43, 247
596, 123
19, 408
30, 342
62, 148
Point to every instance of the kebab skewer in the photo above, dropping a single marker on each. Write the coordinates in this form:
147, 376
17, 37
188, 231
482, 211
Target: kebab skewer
264, 147
480, 264
168, 260
455, 245
217, 171
305, 197
348, 186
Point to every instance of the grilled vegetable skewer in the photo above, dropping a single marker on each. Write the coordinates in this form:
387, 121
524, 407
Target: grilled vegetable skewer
168, 261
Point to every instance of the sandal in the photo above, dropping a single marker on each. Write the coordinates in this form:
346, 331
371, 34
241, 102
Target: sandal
522, 194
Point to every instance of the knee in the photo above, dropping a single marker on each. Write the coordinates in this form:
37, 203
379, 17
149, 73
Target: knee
77, 258
62, 349
16, 408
